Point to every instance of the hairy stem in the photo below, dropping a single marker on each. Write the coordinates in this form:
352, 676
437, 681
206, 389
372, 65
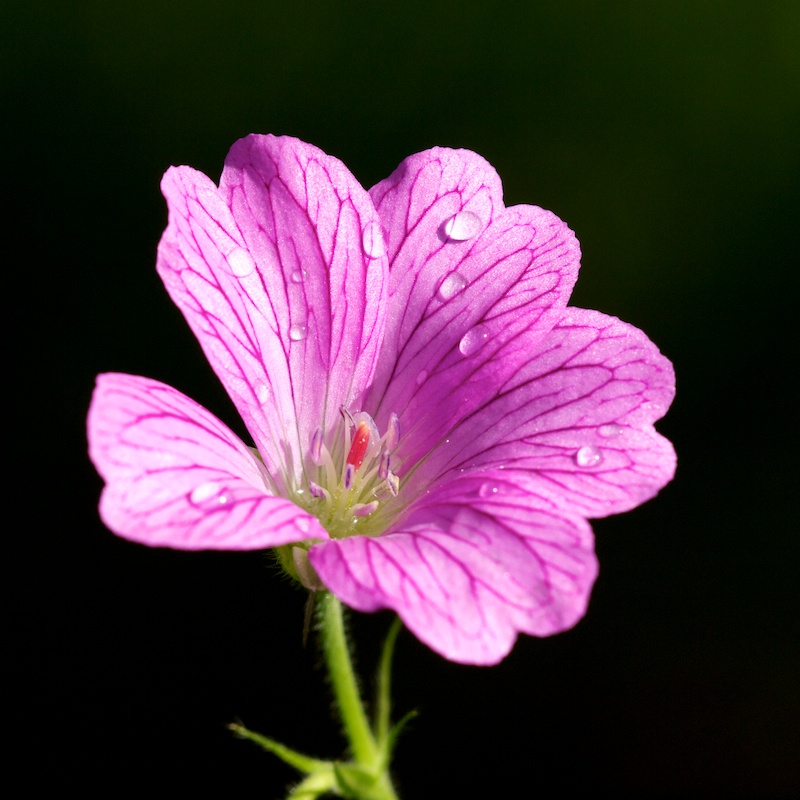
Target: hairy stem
343, 679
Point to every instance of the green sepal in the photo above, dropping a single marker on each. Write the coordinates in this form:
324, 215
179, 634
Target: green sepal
299, 761
391, 739
314, 786
356, 782
383, 703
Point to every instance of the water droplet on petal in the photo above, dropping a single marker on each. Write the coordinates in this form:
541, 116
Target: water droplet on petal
609, 431
452, 285
299, 275
558, 580
473, 340
241, 262
298, 332
303, 524
262, 392
589, 456
209, 494
372, 241
487, 490
462, 226
422, 376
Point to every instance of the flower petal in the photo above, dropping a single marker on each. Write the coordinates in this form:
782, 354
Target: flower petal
481, 560
280, 272
466, 276
577, 419
177, 477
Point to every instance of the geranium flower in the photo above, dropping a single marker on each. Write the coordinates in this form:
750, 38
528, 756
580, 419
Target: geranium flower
433, 425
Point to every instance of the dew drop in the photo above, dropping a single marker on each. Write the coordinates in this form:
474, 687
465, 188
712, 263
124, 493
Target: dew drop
372, 241
473, 340
487, 490
241, 262
422, 376
262, 392
299, 275
303, 524
203, 492
298, 332
609, 431
558, 580
462, 226
209, 494
589, 456
452, 285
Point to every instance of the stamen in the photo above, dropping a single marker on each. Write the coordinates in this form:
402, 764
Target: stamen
317, 490
316, 447
364, 509
349, 475
350, 478
392, 433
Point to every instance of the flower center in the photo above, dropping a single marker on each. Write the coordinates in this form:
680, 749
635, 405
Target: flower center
348, 480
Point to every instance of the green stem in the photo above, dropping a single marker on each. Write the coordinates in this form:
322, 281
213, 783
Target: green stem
343, 679
366, 777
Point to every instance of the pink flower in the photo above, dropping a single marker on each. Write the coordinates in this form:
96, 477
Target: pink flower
432, 424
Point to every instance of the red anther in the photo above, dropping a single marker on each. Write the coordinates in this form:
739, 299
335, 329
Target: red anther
359, 447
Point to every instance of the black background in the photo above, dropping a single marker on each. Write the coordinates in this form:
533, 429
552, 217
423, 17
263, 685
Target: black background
665, 134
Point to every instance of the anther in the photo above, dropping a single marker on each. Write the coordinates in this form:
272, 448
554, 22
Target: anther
392, 433
316, 447
317, 490
349, 476
364, 509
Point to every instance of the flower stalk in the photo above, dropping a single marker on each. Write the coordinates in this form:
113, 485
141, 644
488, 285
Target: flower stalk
366, 775
343, 681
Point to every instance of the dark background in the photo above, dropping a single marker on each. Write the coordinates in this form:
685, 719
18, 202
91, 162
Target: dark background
665, 134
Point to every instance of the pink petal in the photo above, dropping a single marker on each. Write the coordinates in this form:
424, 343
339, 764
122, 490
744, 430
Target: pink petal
177, 477
577, 419
459, 298
280, 272
481, 560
